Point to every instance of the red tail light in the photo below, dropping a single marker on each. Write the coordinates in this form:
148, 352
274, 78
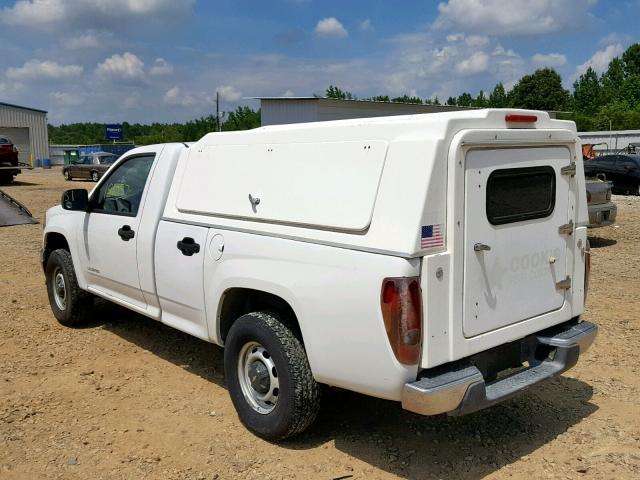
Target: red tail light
519, 118
401, 303
587, 268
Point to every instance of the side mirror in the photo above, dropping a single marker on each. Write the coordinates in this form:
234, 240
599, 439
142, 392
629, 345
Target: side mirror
76, 199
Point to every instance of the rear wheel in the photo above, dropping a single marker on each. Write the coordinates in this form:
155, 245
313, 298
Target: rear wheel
69, 303
67, 175
94, 176
269, 377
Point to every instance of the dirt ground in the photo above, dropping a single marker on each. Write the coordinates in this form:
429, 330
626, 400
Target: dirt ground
126, 397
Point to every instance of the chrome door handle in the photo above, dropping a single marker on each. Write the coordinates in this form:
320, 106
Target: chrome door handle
481, 247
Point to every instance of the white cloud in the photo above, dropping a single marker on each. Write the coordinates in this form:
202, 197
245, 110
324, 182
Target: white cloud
552, 60
331, 27
43, 70
478, 62
38, 13
125, 67
288, 93
365, 25
161, 67
64, 99
229, 93
514, 17
89, 39
176, 98
600, 60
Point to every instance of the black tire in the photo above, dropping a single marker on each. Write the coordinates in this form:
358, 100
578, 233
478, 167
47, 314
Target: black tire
95, 176
74, 308
6, 178
298, 399
67, 175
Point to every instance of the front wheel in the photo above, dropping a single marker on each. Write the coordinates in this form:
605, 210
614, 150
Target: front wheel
66, 175
69, 303
94, 176
269, 377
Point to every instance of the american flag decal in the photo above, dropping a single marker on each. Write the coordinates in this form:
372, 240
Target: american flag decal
431, 236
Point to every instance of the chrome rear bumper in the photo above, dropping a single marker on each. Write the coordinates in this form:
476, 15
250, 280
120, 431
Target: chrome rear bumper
459, 388
602, 215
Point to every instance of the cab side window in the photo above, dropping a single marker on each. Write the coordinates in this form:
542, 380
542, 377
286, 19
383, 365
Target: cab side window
121, 192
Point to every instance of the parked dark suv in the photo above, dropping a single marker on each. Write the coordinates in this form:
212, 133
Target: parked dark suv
623, 170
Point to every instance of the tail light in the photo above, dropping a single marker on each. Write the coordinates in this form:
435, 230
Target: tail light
520, 118
15, 149
401, 303
587, 268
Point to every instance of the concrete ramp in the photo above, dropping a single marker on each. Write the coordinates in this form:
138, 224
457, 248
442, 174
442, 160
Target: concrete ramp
12, 212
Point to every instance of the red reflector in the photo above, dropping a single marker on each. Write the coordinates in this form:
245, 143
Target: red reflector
401, 302
515, 117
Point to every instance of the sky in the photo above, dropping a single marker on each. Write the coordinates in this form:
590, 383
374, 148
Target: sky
164, 60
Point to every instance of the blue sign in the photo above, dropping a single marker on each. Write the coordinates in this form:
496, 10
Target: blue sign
113, 131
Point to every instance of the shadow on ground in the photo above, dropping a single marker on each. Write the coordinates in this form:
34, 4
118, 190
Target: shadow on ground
379, 432
599, 242
18, 183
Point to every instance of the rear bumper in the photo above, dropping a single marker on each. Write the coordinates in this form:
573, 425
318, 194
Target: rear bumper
602, 215
460, 388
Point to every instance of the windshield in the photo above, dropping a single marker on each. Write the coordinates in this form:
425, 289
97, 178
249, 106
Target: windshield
4, 141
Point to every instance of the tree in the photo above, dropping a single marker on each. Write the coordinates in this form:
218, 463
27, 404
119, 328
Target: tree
451, 101
587, 92
381, 98
481, 100
498, 98
464, 100
407, 99
612, 80
540, 91
336, 92
631, 60
243, 118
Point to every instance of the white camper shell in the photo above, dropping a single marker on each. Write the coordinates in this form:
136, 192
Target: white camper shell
483, 211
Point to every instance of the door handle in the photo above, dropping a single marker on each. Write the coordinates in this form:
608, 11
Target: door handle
481, 247
188, 246
126, 233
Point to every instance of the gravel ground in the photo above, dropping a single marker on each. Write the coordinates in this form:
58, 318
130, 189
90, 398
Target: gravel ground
128, 398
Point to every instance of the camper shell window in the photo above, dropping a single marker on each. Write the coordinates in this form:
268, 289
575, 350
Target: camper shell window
518, 194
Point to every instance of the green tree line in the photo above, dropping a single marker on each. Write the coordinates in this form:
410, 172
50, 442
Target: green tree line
242, 118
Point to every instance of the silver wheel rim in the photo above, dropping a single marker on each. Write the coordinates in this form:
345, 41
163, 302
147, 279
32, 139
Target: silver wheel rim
59, 289
66, 175
258, 378
94, 176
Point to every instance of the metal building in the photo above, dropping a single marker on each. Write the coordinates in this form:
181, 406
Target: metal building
27, 128
610, 141
282, 110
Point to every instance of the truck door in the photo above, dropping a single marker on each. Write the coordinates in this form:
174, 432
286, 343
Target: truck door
179, 266
516, 231
110, 231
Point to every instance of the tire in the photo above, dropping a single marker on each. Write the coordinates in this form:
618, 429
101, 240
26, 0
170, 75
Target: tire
94, 176
67, 175
295, 400
70, 304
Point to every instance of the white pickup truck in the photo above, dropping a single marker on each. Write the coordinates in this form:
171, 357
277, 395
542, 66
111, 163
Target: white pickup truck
438, 260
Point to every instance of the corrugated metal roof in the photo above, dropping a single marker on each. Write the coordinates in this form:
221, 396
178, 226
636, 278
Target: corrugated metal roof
3, 104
